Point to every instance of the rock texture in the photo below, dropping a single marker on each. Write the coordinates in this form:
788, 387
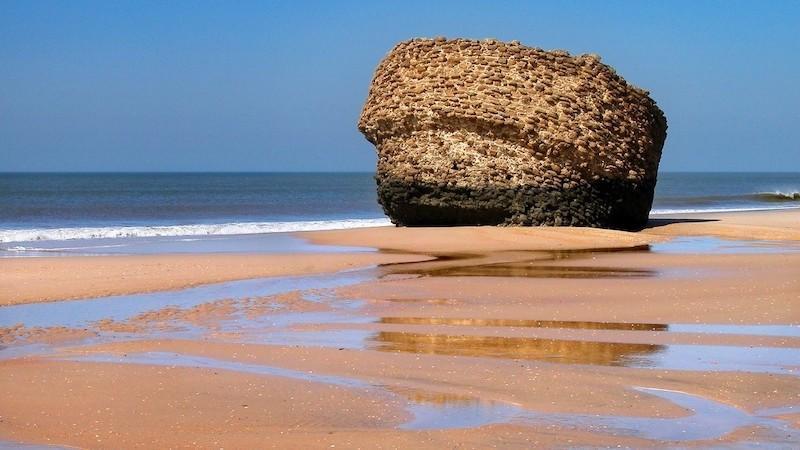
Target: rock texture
490, 133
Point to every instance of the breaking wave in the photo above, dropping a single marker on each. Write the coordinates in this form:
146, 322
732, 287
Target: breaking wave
689, 210
221, 229
778, 196
759, 201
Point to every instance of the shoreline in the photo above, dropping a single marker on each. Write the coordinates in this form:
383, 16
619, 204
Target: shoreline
57, 278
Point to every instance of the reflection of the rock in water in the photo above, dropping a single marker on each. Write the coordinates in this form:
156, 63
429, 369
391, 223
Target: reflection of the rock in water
529, 264
581, 325
698, 328
529, 270
777, 360
432, 397
565, 351
475, 413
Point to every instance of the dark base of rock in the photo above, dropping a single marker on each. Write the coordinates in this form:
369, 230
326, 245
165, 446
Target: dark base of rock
602, 204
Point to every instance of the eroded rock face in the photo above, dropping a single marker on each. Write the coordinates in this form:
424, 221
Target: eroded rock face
493, 133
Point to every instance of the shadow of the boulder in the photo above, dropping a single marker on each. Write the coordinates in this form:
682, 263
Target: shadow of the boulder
653, 223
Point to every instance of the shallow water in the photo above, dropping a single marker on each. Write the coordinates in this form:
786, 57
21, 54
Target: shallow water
461, 414
716, 246
708, 420
79, 313
538, 264
581, 325
530, 264
698, 328
707, 358
246, 243
549, 350
10, 445
531, 270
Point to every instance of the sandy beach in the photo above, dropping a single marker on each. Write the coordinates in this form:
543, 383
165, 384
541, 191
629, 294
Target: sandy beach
399, 225
29, 280
682, 334
55, 278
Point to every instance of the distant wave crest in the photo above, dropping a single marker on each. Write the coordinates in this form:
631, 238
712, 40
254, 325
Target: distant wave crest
690, 210
759, 201
62, 234
778, 196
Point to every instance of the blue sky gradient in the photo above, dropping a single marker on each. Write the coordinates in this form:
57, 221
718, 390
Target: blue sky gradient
278, 86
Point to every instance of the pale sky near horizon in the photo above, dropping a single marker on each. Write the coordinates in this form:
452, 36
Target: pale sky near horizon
278, 86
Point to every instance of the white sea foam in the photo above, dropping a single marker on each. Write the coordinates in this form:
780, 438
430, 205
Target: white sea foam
781, 195
717, 210
24, 249
220, 229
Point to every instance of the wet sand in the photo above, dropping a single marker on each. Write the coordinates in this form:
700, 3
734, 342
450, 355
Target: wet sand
511, 338
726, 288
203, 408
42, 279
769, 225
59, 278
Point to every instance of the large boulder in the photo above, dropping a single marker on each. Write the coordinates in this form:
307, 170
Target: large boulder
493, 133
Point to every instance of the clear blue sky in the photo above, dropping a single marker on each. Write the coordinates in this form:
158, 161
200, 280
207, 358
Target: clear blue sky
263, 86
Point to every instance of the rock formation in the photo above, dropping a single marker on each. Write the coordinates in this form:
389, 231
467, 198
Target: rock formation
493, 133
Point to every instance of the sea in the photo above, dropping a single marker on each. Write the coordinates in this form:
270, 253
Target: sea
57, 212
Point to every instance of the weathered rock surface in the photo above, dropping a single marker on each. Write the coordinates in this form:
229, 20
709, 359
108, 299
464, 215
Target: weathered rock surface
494, 133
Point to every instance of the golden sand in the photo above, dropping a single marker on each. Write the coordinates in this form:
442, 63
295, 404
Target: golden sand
512, 317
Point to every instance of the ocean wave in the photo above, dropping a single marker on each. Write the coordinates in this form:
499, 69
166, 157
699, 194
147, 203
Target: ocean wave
23, 249
221, 229
778, 196
733, 199
690, 210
